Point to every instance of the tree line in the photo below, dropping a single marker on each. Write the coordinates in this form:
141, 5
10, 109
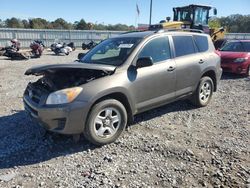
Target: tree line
40, 23
235, 23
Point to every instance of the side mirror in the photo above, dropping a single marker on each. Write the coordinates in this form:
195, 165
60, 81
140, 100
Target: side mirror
144, 62
168, 18
81, 55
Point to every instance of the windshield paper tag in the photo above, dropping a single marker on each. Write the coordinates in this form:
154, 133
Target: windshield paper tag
125, 45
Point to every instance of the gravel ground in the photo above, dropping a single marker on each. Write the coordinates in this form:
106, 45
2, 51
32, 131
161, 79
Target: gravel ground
172, 146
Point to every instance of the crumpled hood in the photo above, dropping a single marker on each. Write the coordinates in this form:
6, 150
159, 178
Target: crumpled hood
42, 69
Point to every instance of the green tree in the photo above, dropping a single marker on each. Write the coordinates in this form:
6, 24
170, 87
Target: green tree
99, 27
13, 23
61, 24
39, 23
236, 23
26, 24
214, 23
81, 25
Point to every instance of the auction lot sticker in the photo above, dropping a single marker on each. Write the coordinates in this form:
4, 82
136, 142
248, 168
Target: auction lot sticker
125, 45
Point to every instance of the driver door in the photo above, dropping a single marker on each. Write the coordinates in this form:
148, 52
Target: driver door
154, 85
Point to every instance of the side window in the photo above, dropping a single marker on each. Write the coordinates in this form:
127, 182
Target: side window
157, 48
183, 45
201, 42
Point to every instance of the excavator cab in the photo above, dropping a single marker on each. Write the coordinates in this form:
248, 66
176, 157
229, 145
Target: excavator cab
193, 16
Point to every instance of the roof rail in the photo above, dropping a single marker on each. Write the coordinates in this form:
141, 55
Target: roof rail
168, 30
133, 31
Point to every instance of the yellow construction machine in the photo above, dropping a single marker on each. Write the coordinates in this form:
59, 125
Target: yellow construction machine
192, 17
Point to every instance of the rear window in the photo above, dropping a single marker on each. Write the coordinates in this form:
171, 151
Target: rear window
201, 42
183, 45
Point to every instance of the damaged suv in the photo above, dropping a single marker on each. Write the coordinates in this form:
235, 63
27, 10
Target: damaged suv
122, 76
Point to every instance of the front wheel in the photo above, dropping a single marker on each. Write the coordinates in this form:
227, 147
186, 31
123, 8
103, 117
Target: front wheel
204, 92
106, 122
247, 71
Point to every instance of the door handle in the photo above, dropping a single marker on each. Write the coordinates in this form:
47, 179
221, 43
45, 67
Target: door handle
171, 68
201, 61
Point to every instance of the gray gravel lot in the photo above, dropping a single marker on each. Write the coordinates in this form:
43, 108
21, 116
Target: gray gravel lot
176, 145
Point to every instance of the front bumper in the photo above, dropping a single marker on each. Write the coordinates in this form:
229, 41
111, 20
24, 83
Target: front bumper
238, 68
64, 119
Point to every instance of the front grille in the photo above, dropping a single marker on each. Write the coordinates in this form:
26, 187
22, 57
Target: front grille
227, 69
35, 93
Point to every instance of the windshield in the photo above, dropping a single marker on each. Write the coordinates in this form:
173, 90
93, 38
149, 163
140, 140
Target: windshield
184, 15
246, 46
201, 16
112, 51
233, 47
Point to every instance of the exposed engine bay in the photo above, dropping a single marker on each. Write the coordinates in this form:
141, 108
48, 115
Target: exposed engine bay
66, 78
60, 76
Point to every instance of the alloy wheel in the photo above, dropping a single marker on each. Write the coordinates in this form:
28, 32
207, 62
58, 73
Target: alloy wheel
107, 122
205, 92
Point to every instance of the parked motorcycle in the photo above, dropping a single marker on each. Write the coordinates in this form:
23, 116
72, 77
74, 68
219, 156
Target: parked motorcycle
14, 47
13, 52
59, 48
88, 46
37, 48
15, 55
3, 50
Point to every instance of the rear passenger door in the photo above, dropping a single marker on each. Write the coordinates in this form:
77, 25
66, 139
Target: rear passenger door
188, 64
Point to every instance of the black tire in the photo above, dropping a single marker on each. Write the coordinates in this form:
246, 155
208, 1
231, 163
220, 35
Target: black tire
57, 51
201, 98
84, 47
247, 73
99, 110
80, 55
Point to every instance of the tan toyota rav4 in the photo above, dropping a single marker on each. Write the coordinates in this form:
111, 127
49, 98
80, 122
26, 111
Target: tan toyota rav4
123, 76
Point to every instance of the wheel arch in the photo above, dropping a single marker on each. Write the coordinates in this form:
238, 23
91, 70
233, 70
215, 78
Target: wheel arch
122, 98
212, 75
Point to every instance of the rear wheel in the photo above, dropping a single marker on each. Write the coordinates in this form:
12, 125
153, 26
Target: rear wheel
106, 122
204, 92
84, 47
